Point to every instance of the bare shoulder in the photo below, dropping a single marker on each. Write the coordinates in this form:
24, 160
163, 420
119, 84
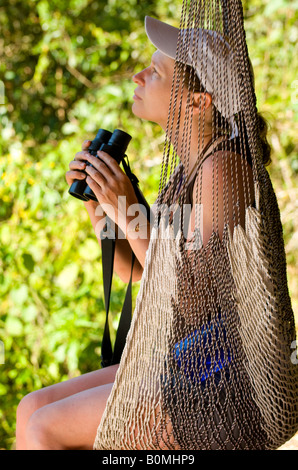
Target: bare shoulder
223, 189
225, 158
226, 171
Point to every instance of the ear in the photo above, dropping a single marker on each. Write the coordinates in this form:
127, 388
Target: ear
201, 101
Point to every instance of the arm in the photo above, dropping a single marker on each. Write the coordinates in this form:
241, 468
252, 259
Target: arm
118, 200
123, 249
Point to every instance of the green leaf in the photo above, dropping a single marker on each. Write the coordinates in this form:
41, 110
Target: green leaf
19, 296
90, 250
29, 313
275, 5
28, 261
68, 276
13, 326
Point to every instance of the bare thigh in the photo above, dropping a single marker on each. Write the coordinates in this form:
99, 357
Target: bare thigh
70, 423
70, 387
45, 396
78, 384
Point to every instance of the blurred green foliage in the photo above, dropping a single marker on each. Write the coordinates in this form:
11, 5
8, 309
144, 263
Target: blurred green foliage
66, 67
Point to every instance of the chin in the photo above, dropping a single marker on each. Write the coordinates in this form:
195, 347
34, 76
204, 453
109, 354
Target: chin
138, 112
134, 109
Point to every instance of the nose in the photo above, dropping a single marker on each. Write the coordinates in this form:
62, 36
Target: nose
138, 78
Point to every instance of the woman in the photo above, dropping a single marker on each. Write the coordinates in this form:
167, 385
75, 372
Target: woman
67, 415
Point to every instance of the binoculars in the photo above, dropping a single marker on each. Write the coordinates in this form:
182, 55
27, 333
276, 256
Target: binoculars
115, 144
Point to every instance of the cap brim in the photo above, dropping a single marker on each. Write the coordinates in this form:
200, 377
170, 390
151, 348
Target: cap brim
163, 36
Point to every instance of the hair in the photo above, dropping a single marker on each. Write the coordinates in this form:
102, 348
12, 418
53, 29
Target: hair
192, 78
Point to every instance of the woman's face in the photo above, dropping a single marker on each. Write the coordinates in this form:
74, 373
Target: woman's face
153, 93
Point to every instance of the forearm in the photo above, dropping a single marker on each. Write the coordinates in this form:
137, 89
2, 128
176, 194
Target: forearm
123, 249
138, 235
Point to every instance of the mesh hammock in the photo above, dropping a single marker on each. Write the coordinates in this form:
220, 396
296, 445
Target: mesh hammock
207, 362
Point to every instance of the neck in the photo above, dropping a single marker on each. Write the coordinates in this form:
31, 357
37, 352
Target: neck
194, 149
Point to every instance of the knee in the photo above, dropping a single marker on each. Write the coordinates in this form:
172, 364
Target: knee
28, 405
39, 434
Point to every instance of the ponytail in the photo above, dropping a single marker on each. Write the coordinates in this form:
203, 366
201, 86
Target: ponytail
263, 130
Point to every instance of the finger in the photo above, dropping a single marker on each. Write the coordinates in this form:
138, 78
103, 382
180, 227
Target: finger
77, 165
81, 155
95, 186
99, 165
86, 144
97, 176
109, 161
74, 175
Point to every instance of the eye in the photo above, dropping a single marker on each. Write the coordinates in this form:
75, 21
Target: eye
154, 70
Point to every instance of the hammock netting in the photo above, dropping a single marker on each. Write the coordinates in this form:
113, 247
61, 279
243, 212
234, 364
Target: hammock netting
207, 362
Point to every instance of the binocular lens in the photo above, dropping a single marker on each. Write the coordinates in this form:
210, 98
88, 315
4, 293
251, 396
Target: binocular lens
120, 138
102, 137
115, 144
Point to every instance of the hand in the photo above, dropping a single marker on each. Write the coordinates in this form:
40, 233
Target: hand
78, 165
111, 187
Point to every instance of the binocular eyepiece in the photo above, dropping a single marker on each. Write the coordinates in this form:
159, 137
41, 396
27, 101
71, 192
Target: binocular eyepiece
115, 144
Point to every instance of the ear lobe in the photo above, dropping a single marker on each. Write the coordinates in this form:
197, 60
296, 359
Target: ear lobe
201, 101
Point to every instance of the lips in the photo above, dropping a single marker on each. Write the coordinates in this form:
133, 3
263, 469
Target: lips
136, 96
